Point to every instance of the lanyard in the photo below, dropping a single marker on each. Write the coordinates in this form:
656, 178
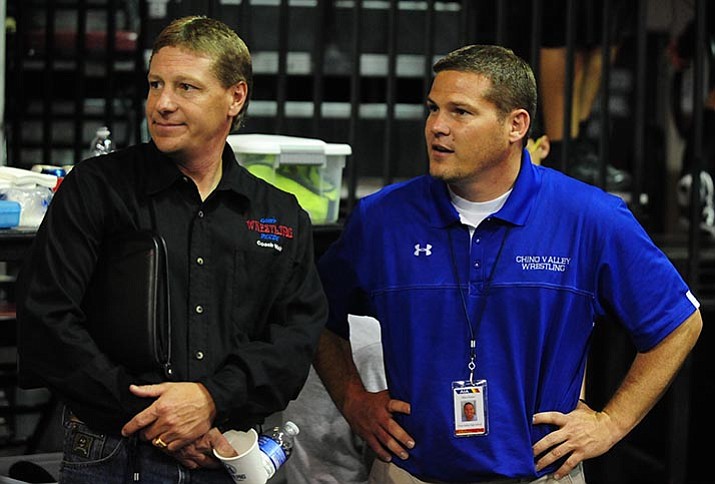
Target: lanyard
487, 286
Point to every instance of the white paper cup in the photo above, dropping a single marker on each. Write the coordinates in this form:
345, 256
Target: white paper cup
247, 467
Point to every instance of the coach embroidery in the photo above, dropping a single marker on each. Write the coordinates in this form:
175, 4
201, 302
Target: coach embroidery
270, 232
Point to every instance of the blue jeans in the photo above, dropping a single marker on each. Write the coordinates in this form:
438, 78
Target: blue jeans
92, 457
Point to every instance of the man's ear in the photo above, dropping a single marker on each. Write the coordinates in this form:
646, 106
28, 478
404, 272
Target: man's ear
519, 122
239, 94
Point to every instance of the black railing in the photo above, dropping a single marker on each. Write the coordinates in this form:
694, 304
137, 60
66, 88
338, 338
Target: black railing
66, 78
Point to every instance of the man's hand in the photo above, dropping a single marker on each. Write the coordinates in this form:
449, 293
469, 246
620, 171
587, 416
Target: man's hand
585, 433
200, 452
181, 413
582, 434
370, 416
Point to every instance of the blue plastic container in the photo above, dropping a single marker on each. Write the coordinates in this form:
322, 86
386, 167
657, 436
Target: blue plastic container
9, 214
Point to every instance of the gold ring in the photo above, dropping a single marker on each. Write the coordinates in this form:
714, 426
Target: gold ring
159, 443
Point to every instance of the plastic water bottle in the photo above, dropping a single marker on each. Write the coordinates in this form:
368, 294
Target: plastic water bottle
101, 143
277, 445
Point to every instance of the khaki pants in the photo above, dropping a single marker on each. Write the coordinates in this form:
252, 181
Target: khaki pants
388, 473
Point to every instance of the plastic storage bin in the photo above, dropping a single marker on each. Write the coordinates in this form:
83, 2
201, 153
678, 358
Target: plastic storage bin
310, 169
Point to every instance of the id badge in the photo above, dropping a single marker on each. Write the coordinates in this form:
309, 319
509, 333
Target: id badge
470, 408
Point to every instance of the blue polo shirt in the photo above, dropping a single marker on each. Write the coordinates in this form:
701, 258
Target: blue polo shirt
568, 254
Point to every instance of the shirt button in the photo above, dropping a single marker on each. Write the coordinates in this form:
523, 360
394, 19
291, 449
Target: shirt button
199, 309
200, 261
477, 240
477, 264
201, 214
199, 355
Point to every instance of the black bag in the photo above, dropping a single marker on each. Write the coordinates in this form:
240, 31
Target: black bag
127, 303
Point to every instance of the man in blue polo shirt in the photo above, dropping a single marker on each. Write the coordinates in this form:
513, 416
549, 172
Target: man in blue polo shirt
487, 277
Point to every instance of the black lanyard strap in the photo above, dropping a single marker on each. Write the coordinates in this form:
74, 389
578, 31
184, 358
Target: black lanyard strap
487, 286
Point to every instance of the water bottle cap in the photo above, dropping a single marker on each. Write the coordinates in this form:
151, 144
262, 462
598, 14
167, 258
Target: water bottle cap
291, 428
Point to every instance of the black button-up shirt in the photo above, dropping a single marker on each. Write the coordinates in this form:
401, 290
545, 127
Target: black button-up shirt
247, 306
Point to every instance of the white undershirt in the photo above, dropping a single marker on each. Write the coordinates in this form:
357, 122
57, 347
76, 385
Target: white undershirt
472, 214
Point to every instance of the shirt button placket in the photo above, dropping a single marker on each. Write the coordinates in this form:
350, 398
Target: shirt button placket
200, 249
475, 276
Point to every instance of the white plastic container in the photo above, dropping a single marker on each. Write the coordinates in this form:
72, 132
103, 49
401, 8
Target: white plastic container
310, 169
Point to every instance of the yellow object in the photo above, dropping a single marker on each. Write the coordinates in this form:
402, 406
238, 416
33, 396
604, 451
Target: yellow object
313, 203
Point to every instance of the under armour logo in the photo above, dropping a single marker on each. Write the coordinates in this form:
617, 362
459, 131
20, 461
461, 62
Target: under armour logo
427, 249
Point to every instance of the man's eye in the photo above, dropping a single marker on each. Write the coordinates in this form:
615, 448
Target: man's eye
153, 84
186, 87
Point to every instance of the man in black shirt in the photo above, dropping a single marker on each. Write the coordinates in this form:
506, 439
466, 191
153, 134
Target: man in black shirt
247, 306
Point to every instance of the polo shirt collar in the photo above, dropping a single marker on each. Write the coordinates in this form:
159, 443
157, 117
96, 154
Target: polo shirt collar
445, 213
517, 208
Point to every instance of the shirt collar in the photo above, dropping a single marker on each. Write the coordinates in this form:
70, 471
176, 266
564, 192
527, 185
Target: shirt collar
234, 176
162, 172
517, 208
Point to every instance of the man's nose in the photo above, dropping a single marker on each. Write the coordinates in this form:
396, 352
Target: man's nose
437, 124
165, 100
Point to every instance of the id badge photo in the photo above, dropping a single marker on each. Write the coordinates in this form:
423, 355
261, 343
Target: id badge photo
470, 408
